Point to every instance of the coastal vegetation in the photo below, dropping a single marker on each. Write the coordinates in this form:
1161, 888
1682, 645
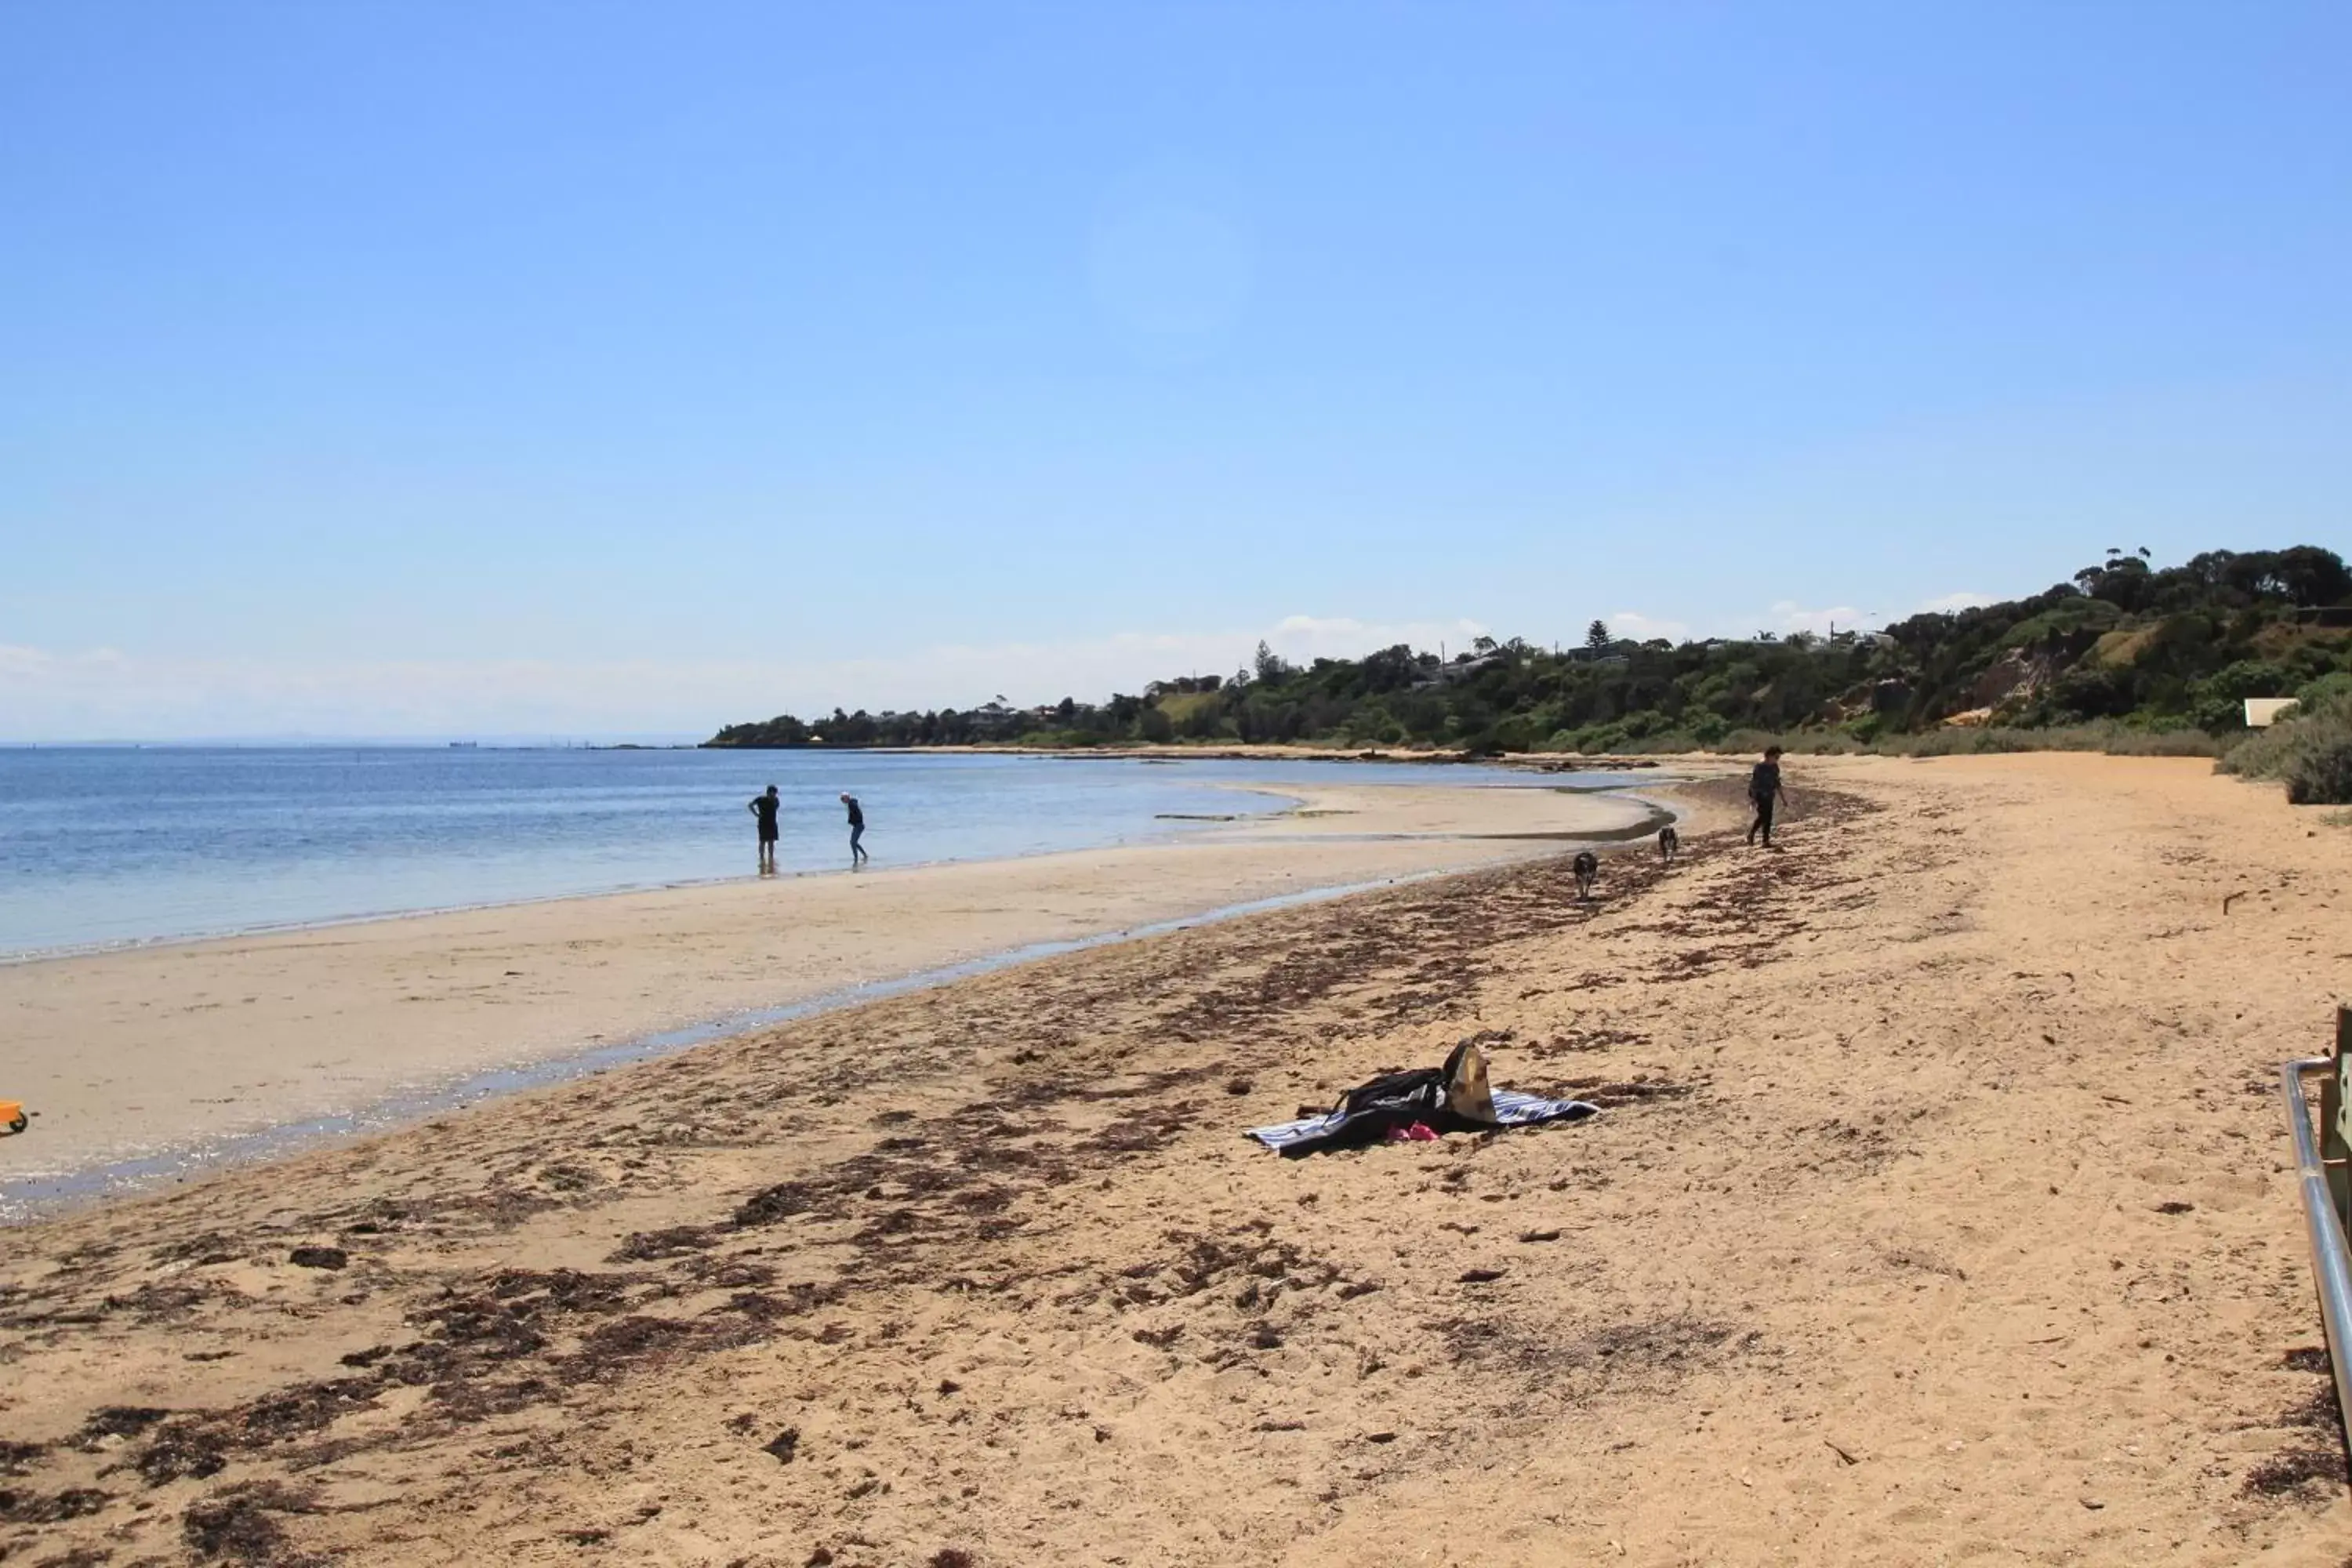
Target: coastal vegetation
2310, 752
2126, 655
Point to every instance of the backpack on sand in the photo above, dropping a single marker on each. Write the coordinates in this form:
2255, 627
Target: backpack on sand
1452, 1098
1467, 1094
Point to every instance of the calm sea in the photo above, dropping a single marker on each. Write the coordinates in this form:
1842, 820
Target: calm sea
104, 845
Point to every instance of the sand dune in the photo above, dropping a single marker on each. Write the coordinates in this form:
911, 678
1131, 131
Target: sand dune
1940, 1216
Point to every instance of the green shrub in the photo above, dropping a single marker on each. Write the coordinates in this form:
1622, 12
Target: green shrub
2322, 772
1959, 740
2328, 688
1514, 735
2310, 752
2161, 744
2217, 703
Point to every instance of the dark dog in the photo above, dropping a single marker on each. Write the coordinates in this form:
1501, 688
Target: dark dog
1670, 844
1587, 871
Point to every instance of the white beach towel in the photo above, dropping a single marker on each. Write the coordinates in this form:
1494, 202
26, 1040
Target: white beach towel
1511, 1110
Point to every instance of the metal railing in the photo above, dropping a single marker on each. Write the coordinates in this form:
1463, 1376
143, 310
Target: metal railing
2323, 1163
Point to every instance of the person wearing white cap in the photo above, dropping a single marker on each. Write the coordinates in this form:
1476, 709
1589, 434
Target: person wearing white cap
857, 855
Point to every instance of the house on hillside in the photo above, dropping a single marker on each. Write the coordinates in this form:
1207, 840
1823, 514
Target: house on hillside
1462, 669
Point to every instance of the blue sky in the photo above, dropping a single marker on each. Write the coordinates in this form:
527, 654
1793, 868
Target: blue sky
418, 368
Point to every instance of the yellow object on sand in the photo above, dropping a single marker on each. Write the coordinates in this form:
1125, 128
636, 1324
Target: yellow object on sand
12, 1115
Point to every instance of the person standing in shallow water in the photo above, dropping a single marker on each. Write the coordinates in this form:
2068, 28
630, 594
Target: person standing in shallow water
857, 855
765, 807
1763, 790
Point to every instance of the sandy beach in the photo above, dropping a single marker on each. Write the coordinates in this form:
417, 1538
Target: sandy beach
149, 1052
1940, 1212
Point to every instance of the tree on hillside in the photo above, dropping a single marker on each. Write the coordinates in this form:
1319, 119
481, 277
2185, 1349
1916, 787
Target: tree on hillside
2310, 575
2152, 651
1391, 670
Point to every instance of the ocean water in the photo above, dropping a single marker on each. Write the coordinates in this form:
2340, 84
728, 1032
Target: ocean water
106, 846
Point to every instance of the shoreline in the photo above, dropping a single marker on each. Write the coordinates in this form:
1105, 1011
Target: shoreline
1166, 827
11, 957
1940, 1211
31, 1200
158, 1063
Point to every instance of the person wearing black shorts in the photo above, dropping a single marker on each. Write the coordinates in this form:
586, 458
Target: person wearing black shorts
1764, 791
857, 855
764, 807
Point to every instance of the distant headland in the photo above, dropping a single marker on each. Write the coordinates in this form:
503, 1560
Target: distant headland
2125, 657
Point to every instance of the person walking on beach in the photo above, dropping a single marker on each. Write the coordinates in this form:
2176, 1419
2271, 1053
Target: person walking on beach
1763, 790
857, 855
764, 807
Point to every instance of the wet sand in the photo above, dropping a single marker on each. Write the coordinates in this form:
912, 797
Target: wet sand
140, 1053
1941, 1214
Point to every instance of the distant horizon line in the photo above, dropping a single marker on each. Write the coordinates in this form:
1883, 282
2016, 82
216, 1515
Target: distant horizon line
504, 742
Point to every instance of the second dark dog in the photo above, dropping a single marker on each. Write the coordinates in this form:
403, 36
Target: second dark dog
1587, 871
1670, 844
